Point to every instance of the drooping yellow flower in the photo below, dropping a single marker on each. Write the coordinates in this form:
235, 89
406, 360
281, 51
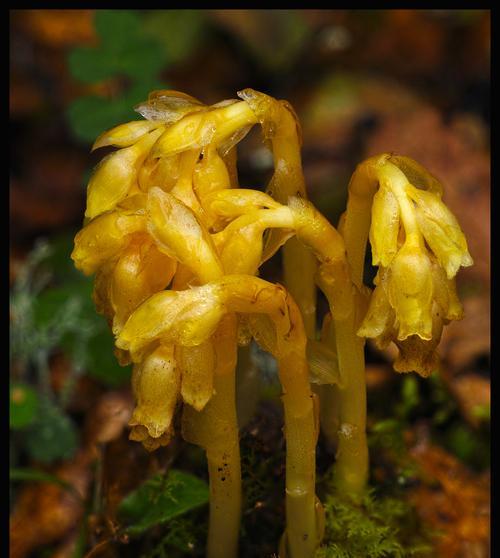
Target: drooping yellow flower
419, 247
156, 385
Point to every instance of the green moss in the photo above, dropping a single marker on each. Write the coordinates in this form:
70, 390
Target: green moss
376, 527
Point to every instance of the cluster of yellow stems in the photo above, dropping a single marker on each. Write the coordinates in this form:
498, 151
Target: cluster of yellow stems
176, 247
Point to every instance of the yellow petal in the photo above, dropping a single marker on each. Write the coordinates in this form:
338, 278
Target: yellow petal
242, 252
384, 227
441, 231
445, 295
417, 174
233, 203
181, 236
379, 319
125, 135
276, 117
115, 175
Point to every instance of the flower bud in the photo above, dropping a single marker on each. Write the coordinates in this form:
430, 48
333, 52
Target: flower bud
115, 175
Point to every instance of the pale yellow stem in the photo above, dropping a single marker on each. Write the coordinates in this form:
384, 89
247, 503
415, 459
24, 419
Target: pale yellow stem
215, 428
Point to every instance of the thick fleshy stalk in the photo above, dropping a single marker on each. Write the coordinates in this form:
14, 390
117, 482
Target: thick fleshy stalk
215, 428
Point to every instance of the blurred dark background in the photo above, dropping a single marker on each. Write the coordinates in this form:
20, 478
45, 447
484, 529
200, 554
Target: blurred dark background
415, 82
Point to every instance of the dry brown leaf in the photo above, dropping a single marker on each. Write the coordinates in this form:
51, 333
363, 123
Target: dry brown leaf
453, 502
45, 512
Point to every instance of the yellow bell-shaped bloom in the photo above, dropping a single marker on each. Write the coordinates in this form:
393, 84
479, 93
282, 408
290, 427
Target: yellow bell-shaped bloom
410, 290
156, 385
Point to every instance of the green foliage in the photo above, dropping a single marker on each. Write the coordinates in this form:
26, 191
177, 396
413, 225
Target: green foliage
469, 445
124, 49
482, 412
90, 115
185, 536
23, 405
127, 51
443, 402
134, 47
51, 311
61, 316
52, 435
160, 499
375, 528
410, 396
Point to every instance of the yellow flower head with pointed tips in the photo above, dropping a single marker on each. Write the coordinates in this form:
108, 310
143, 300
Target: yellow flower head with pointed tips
419, 247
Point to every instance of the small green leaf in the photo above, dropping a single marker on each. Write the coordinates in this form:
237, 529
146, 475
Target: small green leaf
51, 436
90, 116
124, 49
160, 499
23, 406
90, 65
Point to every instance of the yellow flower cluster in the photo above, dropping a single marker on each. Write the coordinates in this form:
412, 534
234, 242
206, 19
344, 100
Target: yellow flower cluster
418, 246
163, 211
176, 245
